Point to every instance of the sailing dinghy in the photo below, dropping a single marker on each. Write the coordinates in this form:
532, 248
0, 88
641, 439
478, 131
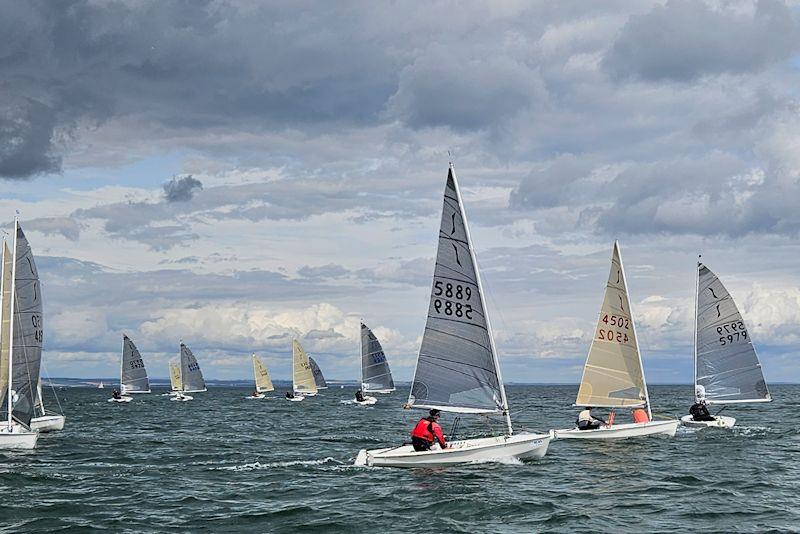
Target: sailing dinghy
319, 379
613, 376
726, 366
263, 380
132, 374
174, 379
376, 377
46, 421
303, 383
20, 342
457, 367
191, 377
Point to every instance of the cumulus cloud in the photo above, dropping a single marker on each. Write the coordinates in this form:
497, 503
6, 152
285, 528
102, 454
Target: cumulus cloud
182, 189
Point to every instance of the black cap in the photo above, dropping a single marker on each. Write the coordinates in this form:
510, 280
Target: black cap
434, 412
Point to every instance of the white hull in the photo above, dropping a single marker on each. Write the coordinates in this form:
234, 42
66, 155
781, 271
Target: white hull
381, 391
521, 446
17, 439
296, 398
48, 423
368, 401
259, 396
182, 398
305, 394
720, 421
627, 430
121, 399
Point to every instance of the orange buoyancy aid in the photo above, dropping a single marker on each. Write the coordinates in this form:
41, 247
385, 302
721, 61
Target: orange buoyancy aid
428, 430
640, 416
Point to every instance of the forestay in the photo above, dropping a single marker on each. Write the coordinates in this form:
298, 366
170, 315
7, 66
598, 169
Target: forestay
134, 375
302, 375
5, 321
612, 375
191, 375
263, 381
457, 368
375, 374
175, 376
726, 364
319, 379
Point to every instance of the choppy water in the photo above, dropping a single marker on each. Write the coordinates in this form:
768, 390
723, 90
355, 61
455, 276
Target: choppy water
222, 463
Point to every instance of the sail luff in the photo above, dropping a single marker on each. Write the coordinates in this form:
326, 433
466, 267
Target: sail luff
11, 328
694, 334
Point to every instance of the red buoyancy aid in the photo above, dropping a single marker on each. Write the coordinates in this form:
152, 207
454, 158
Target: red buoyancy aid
428, 430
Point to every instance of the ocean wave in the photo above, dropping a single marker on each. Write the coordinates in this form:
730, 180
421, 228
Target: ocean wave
271, 465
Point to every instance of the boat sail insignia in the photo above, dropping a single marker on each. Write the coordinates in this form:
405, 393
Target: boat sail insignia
376, 377
457, 367
132, 373
726, 366
191, 377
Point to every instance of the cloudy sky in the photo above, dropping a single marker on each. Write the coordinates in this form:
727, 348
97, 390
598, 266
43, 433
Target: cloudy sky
235, 174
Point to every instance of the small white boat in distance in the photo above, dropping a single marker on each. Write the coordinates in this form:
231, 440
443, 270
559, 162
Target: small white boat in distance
726, 366
181, 397
457, 366
303, 381
100, 385
46, 421
262, 378
613, 376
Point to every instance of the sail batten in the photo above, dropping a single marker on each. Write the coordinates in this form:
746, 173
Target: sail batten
727, 369
457, 368
375, 373
133, 377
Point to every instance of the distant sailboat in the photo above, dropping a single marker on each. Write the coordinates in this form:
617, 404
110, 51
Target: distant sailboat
613, 376
100, 386
375, 374
303, 383
46, 421
726, 366
319, 379
191, 377
262, 378
133, 375
20, 342
457, 366
174, 378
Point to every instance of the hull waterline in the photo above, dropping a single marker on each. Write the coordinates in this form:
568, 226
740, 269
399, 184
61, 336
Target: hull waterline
720, 421
628, 430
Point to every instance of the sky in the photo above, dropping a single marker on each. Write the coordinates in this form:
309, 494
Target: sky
238, 174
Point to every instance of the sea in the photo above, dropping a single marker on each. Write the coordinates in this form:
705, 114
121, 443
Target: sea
223, 463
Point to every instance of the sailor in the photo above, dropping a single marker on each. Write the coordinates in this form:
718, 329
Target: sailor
426, 431
359, 396
699, 411
640, 416
587, 422
289, 395
115, 394
255, 394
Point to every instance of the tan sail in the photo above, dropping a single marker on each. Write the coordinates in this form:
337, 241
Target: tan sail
5, 323
263, 381
175, 376
613, 375
302, 375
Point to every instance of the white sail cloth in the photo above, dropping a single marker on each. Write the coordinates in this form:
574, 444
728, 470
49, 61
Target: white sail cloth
133, 378
263, 380
191, 376
302, 374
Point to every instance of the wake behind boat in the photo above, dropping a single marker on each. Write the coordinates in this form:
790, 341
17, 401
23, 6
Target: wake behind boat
457, 367
726, 366
613, 376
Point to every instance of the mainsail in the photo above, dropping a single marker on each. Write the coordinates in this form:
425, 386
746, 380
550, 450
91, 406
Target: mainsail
5, 320
133, 377
191, 375
263, 381
175, 376
27, 331
302, 375
319, 380
727, 369
375, 374
613, 375
457, 368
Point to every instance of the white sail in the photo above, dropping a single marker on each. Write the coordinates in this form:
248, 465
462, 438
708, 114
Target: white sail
133, 375
175, 376
375, 374
263, 380
5, 320
613, 375
457, 368
191, 376
302, 375
727, 369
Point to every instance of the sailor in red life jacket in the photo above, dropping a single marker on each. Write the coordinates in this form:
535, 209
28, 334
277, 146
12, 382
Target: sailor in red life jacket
426, 431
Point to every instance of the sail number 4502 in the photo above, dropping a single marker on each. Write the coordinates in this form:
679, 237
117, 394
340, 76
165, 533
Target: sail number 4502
616, 320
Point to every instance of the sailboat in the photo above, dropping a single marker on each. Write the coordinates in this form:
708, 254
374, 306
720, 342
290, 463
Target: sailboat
46, 421
376, 377
319, 380
100, 385
132, 374
191, 377
263, 381
174, 378
726, 366
457, 366
20, 342
613, 376
303, 383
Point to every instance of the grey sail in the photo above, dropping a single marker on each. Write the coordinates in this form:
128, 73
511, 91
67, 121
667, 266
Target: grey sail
191, 375
28, 331
727, 369
457, 369
134, 375
319, 380
375, 374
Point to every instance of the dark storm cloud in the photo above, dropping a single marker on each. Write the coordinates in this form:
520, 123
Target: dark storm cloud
683, 40
182, 189
27, 144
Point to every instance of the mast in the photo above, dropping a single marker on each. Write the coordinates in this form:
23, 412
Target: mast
11, 328
483, 301
633, 327
121, 365
361, 343
294, 384
696, 304
2, 289
180, 360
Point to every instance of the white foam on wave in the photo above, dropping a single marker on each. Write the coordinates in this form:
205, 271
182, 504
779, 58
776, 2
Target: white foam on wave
271, 465
505, 460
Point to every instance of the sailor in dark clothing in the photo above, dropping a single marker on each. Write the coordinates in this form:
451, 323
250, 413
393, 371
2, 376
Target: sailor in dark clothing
289, 395
699, 412
359, 396
115, 395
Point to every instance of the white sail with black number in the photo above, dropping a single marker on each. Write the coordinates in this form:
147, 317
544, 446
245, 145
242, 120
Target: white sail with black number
613, 375
457, 368
133, 378
263, 380
727, 369
191, 375
376, 377
319, 378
